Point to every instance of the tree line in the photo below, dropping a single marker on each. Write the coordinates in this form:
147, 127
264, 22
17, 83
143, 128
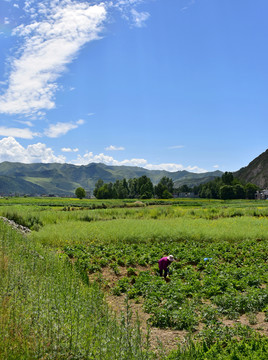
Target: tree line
141, 188
224, 187
227, 187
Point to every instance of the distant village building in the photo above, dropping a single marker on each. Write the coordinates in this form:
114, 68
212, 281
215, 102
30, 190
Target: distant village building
261, 195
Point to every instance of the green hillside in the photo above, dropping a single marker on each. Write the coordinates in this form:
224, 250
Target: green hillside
63, 179
10, 185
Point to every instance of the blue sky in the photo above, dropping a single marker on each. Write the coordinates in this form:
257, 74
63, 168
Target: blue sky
162, 84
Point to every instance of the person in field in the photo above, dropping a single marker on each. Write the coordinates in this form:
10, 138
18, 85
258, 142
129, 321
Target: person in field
163, 264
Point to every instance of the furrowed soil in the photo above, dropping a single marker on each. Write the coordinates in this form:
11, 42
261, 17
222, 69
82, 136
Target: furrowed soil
161, 340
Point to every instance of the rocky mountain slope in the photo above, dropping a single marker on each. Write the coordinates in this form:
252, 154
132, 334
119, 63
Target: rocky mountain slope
256, 172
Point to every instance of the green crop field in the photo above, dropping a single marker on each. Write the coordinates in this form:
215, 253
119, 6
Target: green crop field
56, 281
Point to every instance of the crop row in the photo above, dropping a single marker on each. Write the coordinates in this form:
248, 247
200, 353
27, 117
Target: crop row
233, 281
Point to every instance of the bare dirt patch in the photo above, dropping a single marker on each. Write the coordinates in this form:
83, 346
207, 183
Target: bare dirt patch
166, 339
254, 321
160, 339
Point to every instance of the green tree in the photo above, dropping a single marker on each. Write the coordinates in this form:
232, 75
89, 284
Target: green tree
159, 190
239, 191
227, 178
167, 183
211, 190
80, 193
166, 194
98, 185
184, 188
227, 192
133, 188
250, 190
120, 189
145, 187
102, 192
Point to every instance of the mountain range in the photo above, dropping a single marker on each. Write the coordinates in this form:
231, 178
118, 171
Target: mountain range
63, 179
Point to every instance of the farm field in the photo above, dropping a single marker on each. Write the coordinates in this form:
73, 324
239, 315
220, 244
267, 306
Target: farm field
216, 302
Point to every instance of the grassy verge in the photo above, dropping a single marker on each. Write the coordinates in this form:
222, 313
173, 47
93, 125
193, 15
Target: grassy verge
47, 312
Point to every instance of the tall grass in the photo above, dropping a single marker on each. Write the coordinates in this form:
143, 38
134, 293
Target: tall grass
37, 216
134, 230
47, 312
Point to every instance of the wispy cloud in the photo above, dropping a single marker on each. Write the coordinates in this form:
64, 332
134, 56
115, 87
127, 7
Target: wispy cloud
114, 148
18, 133
61, 128
26, 122
176, 147
127, 3
130, 13
188, 5
57, 32
139, 18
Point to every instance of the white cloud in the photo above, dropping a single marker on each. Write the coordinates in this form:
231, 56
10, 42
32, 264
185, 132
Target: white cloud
175, 167
89, 157
114, 148
17, 132
69, 150
6, 21
11, 150
16, 6
50, 42
139, 18
216, 166
60, 128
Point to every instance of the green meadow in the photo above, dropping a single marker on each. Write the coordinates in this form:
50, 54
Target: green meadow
54, 291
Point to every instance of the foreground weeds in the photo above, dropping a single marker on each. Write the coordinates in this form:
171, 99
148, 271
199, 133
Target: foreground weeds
47, 312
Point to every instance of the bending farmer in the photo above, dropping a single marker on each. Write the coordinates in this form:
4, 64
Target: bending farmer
164, 264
